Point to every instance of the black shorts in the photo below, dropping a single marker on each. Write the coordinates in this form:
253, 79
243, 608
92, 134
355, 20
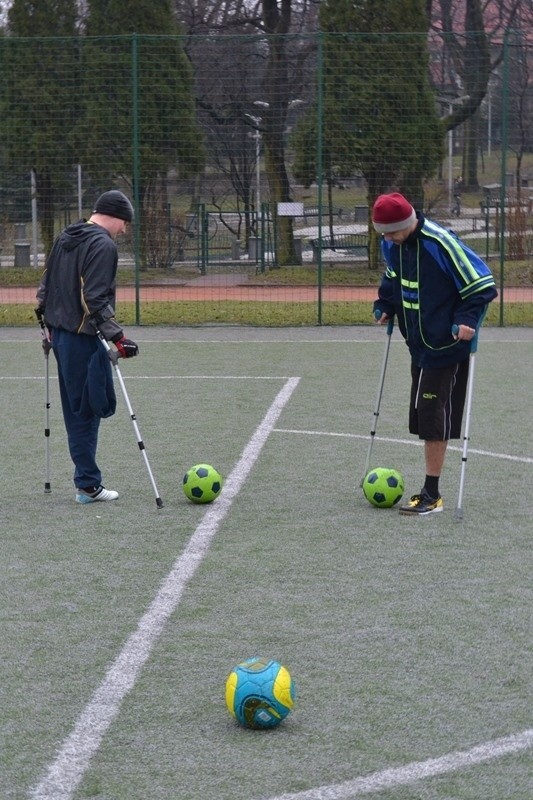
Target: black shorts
437, 401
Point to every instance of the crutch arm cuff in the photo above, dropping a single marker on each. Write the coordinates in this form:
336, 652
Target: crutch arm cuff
104, 321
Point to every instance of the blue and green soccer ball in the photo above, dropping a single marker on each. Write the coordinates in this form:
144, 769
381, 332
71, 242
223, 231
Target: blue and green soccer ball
202, 483
259, 693
383, 487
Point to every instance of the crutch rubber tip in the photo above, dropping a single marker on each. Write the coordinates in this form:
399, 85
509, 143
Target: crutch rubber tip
159, 502
47, 488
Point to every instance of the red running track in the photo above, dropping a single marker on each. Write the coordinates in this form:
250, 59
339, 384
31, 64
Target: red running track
274, 294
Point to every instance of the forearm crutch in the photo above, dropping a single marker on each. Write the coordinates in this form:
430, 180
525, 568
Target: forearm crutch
113, 357
469, 395
375, 415
47, 345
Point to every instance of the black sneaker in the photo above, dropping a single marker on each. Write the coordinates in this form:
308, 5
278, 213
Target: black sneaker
422, 504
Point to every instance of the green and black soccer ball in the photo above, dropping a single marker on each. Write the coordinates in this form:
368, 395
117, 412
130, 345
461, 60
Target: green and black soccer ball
202, 483
383, 487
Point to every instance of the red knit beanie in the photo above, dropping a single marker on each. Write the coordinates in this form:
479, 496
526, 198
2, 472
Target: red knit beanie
392, 212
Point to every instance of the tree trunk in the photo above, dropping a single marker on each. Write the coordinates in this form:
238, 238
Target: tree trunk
278, 182
276, 19
470, 151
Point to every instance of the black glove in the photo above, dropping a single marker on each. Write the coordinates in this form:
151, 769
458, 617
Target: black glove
126, 348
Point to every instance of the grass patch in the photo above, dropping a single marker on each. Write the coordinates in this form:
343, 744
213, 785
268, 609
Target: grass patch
20, 277
246, 313
17, 315
271, 314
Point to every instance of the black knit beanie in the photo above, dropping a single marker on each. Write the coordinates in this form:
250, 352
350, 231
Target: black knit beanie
114, 204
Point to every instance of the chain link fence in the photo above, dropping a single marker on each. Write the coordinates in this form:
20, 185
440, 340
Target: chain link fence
252, 163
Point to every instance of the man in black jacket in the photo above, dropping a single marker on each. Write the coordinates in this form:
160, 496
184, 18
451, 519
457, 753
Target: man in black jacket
76, 299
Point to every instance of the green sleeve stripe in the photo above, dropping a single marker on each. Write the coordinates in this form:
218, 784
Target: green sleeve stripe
477, 286
462, 263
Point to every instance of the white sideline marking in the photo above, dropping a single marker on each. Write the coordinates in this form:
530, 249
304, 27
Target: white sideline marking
66, 772
208, 377
412, 442
167, 377
417, 770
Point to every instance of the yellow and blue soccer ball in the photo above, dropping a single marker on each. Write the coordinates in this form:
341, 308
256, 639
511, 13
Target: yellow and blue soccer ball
259, 693
383, 487
202, 483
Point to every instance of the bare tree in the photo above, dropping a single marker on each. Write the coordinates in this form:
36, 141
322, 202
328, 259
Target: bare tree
468, 27
248, 100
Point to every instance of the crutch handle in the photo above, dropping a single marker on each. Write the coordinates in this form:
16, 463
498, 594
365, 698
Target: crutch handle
473, 340
114, 355
378, 313
46, 343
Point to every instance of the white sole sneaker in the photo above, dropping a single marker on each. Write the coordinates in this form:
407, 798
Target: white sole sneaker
102, 495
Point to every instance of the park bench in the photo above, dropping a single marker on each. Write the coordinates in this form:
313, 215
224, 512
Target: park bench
510, 202
493, 202
345, 244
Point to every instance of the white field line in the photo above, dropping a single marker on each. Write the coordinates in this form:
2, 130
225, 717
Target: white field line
374, 337
166, 377
413, 442
209, 378
67, 770
417, 770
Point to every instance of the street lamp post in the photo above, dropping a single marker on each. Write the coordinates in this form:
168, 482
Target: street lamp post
257, 137
265, 105
451, 102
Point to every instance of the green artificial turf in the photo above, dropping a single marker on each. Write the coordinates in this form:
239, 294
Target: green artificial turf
407, 639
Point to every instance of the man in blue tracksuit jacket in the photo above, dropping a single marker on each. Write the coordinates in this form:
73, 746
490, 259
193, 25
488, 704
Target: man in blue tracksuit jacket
76, 299
433, 283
